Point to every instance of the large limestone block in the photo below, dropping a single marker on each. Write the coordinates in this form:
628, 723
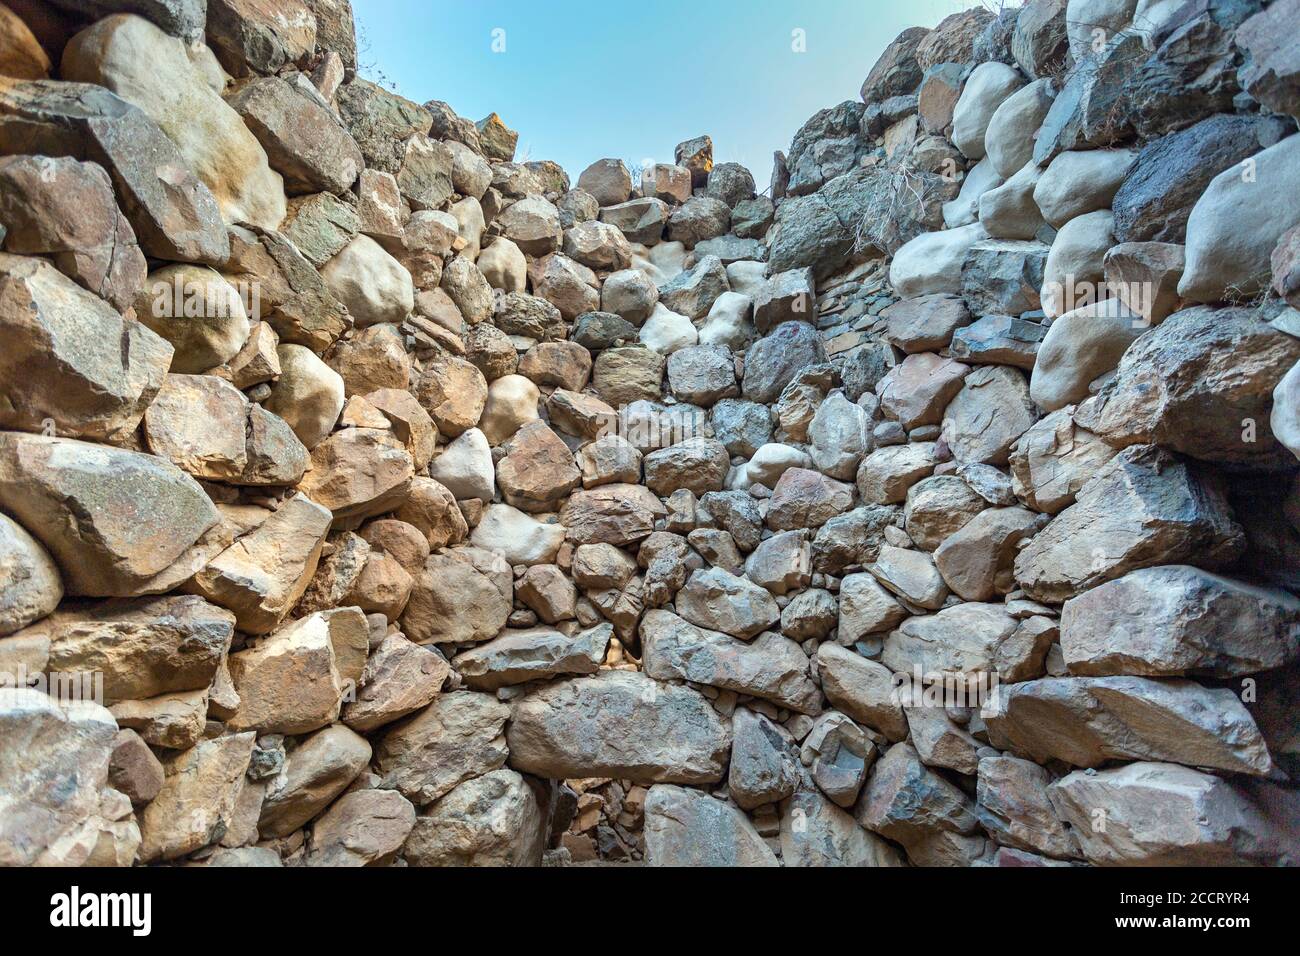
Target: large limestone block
112, 519
1143, 508
689, 828
1086, 721
517, 657
1224, 259
618, 724
156, 73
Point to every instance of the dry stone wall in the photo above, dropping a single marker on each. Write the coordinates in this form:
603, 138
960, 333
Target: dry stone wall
398, 503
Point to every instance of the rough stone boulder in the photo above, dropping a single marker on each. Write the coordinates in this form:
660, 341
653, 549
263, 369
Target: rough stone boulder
517, 657
689, 828
65, 360
1161, 814
144, 66
113, 520
492, 820
1179, 620
1086, 721
458, 737
618, 724
1142, 508
455, 602
1201, 383
771, 667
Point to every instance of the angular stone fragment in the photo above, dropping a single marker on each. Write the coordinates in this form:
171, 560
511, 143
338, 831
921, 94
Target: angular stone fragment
689, 828
1054, 459
762, 771
294, 681
112, 520
517, 657
886, 474
1141, 509
198, 798
815, 832
399, 679
964, 641
1086, 721
173, 214
492, 820
263, 574
363, 828
314, 773
1175, 620
537, 470
1161, 814
457, 737
1192, 384
864, 689
771, 667
359, 473
86, 385
1014, 807
618, 724
976, 560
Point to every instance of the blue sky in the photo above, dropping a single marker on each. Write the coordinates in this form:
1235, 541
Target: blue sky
585, 79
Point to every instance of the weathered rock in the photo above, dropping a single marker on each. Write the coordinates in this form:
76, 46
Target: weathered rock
55, 763
492, 820
1003, 276
926, 323
1014, 807
1179, 620
1054, 459
806, 499
537, 470
309, 395
454, 393
113, 520
314, 773
1080, 346
359, 473
456, 738
1088, 720
1220, 258
762, 771
1075, 183
66, 209
363, 828
885, 475
1194, 383
1171, 173
29, 580
1160, 814
198, 800
690, 828
774, 360
916, 391
896, 73
1141, 509
173, 214
144, 66
532, 224
938, 507
986, 89
771, 667
984, 420
618, 724
454, 603
861, 688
